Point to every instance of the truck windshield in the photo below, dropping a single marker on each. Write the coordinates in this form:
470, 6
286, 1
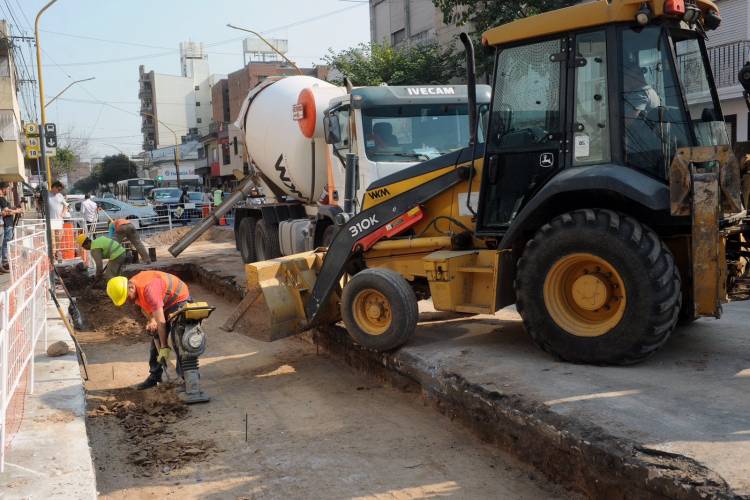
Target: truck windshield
417, 132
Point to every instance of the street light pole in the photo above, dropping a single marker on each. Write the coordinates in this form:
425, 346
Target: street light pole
176, 145
44, 196
41, 90
269, 44
66, 88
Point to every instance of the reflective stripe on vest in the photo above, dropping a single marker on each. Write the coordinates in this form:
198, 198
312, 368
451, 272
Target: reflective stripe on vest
172, 294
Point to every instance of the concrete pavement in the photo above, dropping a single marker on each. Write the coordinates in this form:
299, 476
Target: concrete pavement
49, 456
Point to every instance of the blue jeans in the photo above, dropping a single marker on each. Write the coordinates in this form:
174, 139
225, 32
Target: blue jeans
7, 237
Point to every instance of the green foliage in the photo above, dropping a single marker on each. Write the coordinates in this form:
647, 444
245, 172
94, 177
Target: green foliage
63, 161
114, 168
372, 64
482, 15
86, 185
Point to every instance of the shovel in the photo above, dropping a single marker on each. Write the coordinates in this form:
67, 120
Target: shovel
72, 333
75, 313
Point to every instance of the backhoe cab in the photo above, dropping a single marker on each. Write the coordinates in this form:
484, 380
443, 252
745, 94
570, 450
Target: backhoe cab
603, 200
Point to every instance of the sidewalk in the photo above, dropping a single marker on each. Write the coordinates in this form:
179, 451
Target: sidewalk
49, 456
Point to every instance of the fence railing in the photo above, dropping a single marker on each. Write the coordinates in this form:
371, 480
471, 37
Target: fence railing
727, 60
23, 319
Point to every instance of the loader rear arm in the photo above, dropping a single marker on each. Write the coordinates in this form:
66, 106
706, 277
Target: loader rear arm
365, 224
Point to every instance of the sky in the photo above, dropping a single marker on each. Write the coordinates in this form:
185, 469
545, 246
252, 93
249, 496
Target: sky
109, 39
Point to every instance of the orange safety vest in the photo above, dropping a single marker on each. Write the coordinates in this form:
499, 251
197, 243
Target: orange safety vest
176, 290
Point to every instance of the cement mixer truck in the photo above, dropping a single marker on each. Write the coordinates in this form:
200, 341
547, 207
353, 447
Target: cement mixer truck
314, 148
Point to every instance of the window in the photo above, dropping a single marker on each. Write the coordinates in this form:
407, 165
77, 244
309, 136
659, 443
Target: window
225, 158
197, 103
731, 123
199, 120
236, 151
342, 115
654, 117
4, 66
591, 140
526, 108
197, 87
398, 36
9, 130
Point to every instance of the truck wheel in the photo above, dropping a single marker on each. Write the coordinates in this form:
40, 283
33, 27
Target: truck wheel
328, 234
596, 286
379, 309
266, 241
246, 239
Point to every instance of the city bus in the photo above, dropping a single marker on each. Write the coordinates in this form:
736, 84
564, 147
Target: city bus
134, 191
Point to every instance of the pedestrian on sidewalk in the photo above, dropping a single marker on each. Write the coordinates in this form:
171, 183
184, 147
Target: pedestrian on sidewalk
121, 230
8, 214
58, 210
105, 248
90, 212
158, 295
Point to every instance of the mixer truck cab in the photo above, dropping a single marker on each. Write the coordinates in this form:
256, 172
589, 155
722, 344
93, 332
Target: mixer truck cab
315, 147
391, 128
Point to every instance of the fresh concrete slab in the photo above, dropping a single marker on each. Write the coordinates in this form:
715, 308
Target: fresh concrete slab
49, 456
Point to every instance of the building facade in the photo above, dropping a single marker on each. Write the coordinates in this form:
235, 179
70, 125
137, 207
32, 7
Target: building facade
398, 22
176, 108
12, 167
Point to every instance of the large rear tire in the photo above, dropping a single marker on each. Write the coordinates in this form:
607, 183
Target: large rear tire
596, 286
266, 241
246, 239
379, 309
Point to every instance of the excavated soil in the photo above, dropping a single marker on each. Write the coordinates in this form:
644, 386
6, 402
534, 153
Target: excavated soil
165, 238
147, 419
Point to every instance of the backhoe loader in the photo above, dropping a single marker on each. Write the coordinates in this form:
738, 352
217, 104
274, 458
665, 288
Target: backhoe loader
600, 196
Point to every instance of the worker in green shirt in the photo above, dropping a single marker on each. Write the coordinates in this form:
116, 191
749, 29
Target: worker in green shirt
105, 248
218, 193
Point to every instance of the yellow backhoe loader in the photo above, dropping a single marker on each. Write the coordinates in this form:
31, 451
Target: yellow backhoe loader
598, 193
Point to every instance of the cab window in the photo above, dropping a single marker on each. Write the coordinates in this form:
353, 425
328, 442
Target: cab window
526, 108
591, 127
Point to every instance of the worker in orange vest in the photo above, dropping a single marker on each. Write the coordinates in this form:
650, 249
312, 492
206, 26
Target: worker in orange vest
158, 295
123, 229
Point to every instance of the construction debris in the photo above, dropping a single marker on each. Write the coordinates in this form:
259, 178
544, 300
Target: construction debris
147, 418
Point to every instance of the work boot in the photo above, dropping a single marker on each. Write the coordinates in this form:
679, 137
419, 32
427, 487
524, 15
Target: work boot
148, 383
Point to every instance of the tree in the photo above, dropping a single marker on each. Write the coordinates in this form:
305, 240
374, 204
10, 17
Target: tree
373, 64
86, 185
482, 15
63, 162
114, 168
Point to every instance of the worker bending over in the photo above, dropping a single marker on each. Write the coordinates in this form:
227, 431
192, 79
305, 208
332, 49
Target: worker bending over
158, 295
105, 248
123, 229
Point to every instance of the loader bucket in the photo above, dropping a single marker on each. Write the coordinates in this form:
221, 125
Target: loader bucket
284, 285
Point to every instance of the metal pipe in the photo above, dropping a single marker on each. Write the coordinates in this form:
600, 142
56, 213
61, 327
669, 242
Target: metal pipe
414, 243
66, 88
471, 86
243, 190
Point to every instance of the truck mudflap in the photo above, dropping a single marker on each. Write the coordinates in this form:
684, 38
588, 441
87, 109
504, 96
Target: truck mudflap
705, 185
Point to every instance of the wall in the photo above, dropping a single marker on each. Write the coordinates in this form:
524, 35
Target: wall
11, 157
735, 24
174, 104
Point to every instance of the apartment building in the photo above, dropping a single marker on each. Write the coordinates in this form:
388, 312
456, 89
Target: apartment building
397, 22
11, 155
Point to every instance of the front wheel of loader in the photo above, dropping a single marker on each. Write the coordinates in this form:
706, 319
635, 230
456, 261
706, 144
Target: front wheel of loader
379, 309
596, 286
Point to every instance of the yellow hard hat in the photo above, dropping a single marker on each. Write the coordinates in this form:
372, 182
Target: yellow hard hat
117, 289
81, 238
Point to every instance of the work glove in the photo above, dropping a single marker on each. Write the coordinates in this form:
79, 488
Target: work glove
163, 356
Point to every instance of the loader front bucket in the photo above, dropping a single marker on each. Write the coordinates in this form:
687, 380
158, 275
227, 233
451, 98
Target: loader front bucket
284, 285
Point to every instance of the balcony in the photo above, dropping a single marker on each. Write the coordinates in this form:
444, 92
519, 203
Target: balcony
727, 61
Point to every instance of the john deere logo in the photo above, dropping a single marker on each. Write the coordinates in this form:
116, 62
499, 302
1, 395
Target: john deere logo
546, 160
379, 193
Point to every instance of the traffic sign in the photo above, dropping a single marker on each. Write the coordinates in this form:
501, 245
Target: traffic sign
50, 135
31, 129
50, 128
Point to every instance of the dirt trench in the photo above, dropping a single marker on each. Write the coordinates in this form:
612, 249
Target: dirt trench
283, 422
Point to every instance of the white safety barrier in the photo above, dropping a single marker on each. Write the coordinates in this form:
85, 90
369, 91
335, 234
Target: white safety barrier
23, 319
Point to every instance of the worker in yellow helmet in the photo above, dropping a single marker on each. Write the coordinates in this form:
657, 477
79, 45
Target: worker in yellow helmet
105, 248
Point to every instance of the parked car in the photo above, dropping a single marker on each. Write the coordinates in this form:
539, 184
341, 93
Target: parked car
116, 209
165, 200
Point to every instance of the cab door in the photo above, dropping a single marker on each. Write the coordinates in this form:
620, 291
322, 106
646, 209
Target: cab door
526, 140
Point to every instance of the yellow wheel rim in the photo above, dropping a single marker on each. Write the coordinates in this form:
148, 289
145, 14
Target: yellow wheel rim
372, 312
585, 295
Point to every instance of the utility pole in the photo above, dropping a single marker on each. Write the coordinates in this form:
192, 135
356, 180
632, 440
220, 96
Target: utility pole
269, 44
44, 195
